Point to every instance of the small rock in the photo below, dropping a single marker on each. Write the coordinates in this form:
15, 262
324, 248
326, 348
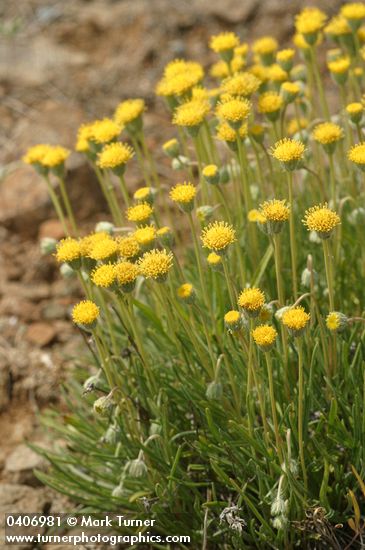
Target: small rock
40, 334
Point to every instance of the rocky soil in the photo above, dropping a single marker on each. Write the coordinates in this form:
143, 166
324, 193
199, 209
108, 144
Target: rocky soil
63, 62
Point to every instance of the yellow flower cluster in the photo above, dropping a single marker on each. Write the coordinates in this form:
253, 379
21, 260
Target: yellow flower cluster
85, 313
327, 133
251, 300
128, 111
48, 156
218, 236
156, 264
191, 113
296, 319
183, 194
114, 155
140, 213
321, 219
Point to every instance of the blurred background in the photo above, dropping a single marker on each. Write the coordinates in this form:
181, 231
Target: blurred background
64, 62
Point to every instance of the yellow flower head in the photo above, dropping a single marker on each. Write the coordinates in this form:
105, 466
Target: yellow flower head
214, 260
295, 125
270, 104
128, 247
357, 155
183, 194
226, 133
259, 71
275, 213
36, 154
276, 73
104, 249
264, 336
321, 219
337, 26
145, 236
87, 243
241, 84
104, 275
289, 152
328, 134
251, 300
353, 11
336, 321
143, 194
183, 67
156, 264
128, 111
265, 47
210, 170
171, 147
84, 135
361, 34
339, 65
114, 155
186, 293
310, 21
68, 251
191, 113
233, 320
291, 88
85, 313
180, 77
257, 131
224, 42
140, 213
256, 216
284, 56
234, 111
126, 274
104, 131
55, 156
162, 231
355, 111
354, 108
295, 319
217, 236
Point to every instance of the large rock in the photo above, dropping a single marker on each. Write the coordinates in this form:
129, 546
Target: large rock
20, 464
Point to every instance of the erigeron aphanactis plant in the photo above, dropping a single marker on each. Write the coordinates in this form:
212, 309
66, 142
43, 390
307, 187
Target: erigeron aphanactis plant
226, 362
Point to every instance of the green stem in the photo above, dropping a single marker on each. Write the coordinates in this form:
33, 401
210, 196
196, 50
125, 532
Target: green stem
300, 411
293, 249
281, 297
329, 274
67, 205
123, 189
333, 181
273, 407
57, 205
229, 283
200, 267
317, 76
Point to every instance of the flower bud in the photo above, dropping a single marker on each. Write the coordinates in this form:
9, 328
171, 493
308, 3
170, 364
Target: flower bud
104, 227
48, 245
180, 162
103, 406
214, 391
66, 271
137, 467
204, 213
171, 148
